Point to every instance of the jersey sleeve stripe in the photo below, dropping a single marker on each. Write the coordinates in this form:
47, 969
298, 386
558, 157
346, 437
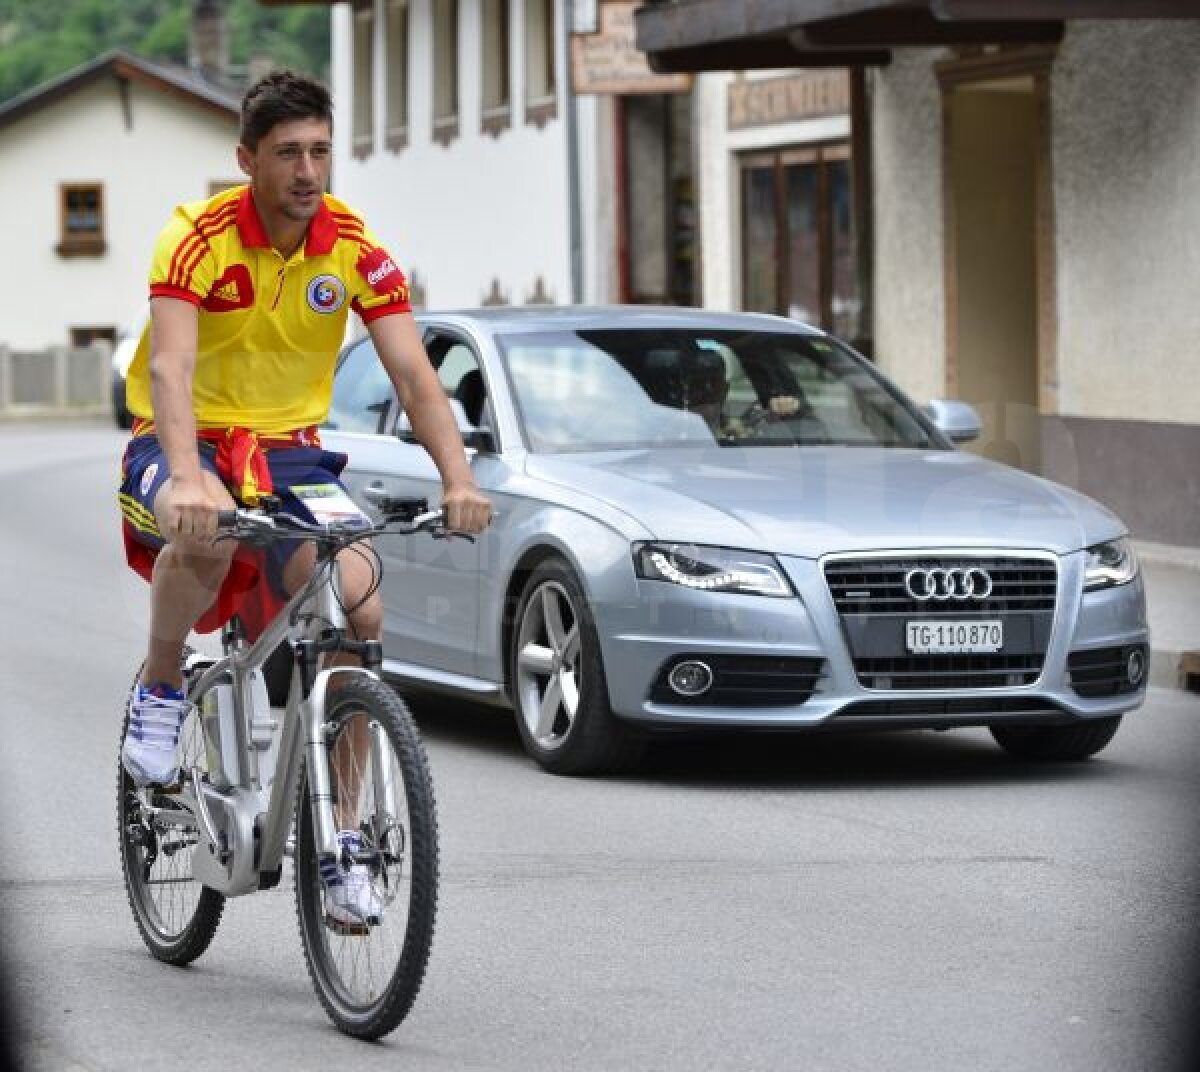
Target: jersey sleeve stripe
208, 215
188, 264
182, 252
376, 311
165, 290
201, 231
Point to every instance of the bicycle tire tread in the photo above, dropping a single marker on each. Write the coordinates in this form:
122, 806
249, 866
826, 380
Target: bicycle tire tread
387, 1014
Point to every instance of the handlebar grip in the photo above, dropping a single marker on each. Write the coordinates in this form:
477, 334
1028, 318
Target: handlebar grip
226, 519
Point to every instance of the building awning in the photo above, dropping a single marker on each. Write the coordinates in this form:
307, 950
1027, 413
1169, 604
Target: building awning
717, 35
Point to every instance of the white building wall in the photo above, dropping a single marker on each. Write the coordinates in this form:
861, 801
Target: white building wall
910, 293
717, 148
170, 155
1126, 129
482, 208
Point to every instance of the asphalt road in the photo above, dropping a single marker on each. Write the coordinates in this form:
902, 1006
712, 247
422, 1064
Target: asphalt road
913, 901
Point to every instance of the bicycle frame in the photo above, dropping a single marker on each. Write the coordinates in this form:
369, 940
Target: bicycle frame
243, 829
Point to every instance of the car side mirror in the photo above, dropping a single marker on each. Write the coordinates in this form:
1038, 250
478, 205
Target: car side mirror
481, 439
957, 421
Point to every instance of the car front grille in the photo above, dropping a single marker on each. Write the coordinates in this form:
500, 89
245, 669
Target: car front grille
874, 605
745, 681
949, 671
1103, 671
876, 586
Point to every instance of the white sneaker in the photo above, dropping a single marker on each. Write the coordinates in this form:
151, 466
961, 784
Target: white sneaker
351, 901
155, 718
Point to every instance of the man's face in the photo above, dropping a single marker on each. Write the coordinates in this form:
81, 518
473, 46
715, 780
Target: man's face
289, 169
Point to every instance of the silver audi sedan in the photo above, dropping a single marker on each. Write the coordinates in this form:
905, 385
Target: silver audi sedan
734, 521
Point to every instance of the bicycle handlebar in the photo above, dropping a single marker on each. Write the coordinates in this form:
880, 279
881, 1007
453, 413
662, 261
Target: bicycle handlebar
255, 526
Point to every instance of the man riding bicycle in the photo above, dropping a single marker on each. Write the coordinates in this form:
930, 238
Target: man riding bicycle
249, 295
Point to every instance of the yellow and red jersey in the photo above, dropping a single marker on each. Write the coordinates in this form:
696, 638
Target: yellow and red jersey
269, 328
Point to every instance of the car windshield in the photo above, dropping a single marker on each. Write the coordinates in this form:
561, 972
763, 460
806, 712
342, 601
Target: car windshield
639, 388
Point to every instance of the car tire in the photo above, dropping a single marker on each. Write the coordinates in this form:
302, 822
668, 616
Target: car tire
555, 666
1057, 743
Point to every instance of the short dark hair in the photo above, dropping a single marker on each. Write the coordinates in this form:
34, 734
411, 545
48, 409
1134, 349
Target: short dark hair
280, 96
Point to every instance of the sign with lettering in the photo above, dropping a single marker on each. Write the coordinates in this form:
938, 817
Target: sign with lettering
767, 101
609, 61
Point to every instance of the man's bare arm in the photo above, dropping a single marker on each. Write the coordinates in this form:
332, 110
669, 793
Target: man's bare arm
186, 509
398, 343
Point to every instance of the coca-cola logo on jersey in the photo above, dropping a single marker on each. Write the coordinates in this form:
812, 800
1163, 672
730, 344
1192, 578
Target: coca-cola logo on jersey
381, 272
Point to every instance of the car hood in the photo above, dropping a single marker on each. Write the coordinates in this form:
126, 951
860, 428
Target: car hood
814, 500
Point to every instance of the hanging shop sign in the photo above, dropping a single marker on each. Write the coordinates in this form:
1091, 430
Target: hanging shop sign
608, 61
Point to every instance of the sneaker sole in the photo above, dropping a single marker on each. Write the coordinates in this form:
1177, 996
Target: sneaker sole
346, 930
142, 782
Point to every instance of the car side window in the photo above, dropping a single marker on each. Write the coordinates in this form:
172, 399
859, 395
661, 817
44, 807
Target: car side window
460, 375
362, 393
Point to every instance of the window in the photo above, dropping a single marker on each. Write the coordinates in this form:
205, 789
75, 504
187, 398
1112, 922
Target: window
496, 111
540, 81
362, 393
397, 74
82, 229
81, 337
461, 377
664, 388
798, 237
363, 132
445, 71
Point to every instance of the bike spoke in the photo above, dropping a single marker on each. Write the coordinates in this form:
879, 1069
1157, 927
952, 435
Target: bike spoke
364, 963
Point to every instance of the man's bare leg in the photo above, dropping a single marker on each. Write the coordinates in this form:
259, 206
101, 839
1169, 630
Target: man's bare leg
366, 623
187, 577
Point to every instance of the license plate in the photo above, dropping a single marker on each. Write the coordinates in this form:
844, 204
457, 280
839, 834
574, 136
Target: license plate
953, 638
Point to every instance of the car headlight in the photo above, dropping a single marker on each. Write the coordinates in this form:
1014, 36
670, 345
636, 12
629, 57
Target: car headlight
711, 569
1110, 564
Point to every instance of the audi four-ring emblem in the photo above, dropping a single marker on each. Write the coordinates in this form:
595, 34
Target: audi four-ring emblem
945, 584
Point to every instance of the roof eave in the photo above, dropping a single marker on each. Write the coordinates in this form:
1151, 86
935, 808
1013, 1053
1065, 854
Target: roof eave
121, 66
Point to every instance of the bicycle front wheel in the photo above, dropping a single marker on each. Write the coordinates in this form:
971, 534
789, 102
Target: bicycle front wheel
367, 977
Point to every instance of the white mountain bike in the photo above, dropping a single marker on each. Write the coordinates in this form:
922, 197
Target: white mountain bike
346, 757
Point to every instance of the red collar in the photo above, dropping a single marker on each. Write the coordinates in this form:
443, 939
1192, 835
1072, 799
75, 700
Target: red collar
322, 230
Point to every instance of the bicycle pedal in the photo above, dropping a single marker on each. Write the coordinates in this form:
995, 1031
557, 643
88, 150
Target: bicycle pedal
347, 930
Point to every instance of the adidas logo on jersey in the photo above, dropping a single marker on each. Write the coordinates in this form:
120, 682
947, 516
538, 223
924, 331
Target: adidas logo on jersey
233, 290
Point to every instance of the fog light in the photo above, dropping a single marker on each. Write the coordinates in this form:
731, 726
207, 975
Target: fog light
1135, 667
691, 678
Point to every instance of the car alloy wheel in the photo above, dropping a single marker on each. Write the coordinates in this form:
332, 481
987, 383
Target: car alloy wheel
558, 683
548, 665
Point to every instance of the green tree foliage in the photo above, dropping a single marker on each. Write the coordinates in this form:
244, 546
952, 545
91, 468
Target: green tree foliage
40, 39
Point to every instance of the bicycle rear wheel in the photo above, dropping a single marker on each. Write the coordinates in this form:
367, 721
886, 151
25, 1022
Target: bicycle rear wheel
177, 917
368, 978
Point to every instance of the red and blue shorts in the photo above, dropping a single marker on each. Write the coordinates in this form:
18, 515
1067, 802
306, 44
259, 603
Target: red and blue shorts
254, 587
